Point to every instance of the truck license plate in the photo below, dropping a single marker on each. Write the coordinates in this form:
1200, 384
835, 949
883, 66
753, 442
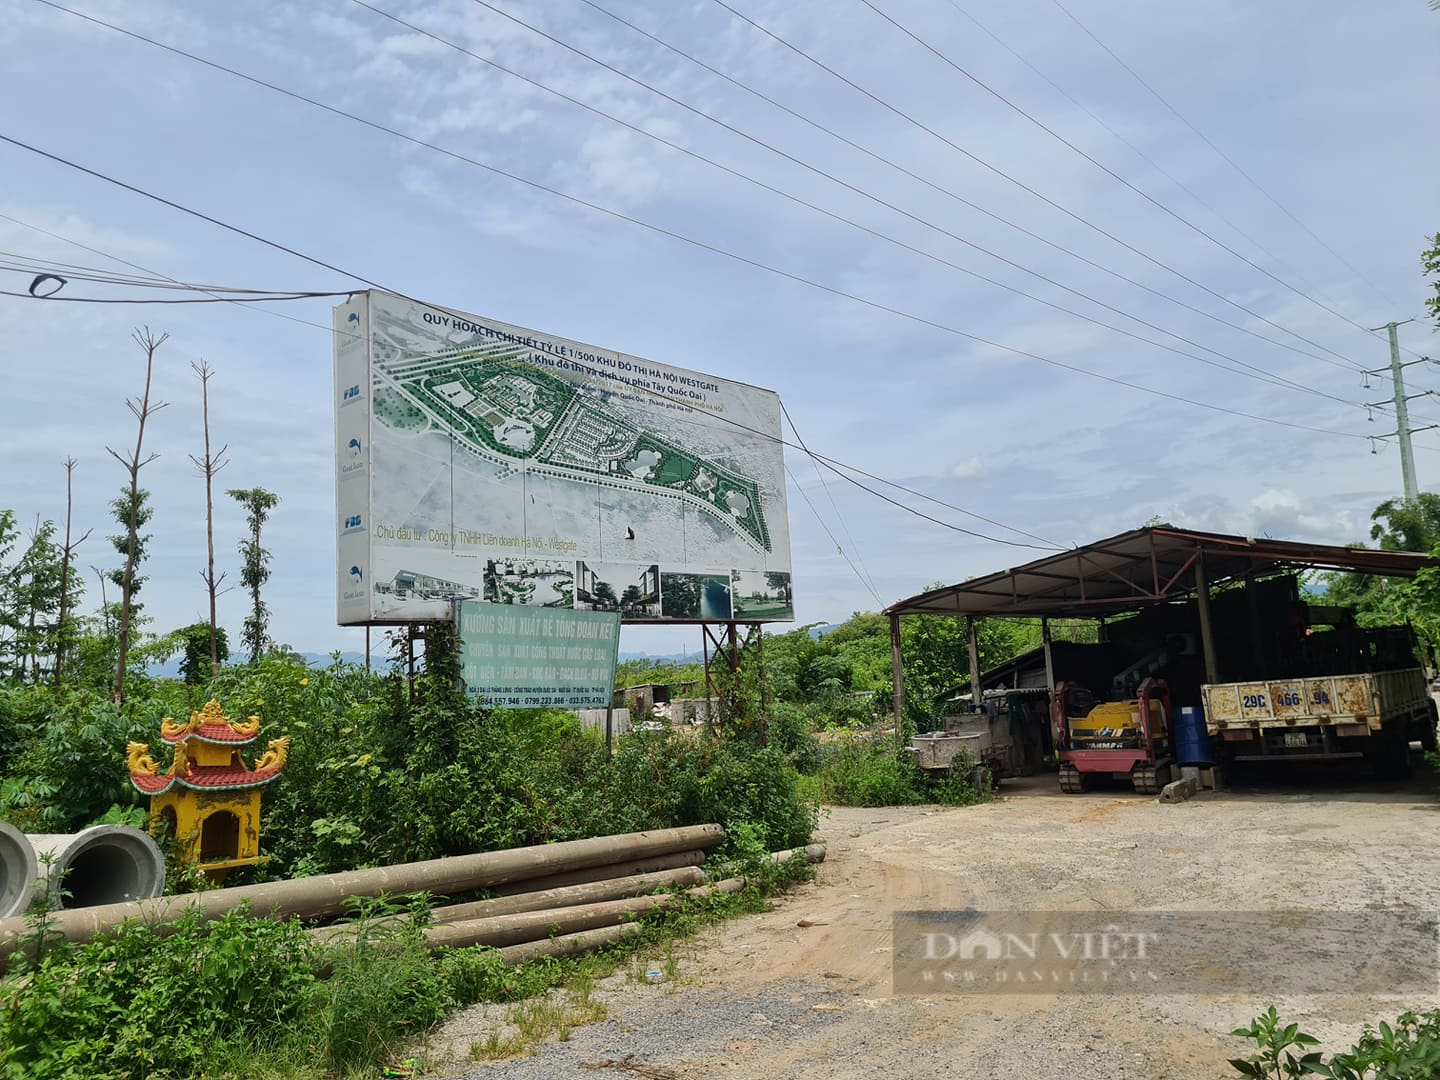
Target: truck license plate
1295, 738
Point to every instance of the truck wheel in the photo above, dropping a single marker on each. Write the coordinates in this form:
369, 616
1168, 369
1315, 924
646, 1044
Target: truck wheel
1428, 725
1391, 759
980, 778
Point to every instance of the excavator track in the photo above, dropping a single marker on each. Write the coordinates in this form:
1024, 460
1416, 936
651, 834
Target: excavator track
1149, 779
1072, 780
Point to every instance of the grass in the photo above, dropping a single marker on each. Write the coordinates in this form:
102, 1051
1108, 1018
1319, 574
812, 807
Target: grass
535, 1020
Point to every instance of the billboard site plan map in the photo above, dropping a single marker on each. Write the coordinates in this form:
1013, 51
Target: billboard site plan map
481, 461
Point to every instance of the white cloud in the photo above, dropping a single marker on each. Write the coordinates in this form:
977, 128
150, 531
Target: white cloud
972, 468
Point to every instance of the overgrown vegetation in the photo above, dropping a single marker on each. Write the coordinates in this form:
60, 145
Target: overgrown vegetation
381, 769
244, 997
1405, 1050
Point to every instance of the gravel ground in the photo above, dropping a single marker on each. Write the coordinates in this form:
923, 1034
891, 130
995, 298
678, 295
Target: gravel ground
804, 990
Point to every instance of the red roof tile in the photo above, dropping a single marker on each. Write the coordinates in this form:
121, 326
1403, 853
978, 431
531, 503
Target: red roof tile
213, 733
205, 778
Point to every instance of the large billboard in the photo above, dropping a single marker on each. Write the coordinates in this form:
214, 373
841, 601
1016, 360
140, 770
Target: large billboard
481, 461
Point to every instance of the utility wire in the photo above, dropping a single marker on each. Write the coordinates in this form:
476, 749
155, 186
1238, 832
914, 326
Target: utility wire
620, 216
1259, 373
869, 586
1112, 173
950, 192
155, 300
1342, 362
661, 230
1222, 154
377, 285
845, 528
29, 264
1119, 136
920, 320
147, 270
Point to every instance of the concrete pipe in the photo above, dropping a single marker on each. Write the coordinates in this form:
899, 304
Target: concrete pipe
567, 944
18, 868
326, 895
503, 930
104, 864
602, 873
546, 900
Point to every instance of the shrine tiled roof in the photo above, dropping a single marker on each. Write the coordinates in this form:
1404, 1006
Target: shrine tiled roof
211, 732
206, 778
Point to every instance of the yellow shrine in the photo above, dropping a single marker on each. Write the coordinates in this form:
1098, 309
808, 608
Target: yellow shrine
209, 798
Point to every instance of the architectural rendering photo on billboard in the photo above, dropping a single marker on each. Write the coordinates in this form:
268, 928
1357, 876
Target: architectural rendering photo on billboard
475, 459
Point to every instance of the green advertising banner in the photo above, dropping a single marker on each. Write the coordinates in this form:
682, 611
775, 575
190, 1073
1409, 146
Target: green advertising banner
518, 657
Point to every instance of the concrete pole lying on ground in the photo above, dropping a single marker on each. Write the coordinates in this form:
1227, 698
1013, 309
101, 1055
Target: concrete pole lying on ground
18, 869
534, 925
326, 895
104, 864
601, 873
567, 944
544, 900
813, 853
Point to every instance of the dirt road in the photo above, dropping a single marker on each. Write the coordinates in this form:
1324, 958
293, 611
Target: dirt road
804, 990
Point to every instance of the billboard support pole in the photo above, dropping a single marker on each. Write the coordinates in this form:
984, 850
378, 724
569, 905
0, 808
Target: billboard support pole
410, 658
609, 727
367, 648
729, 642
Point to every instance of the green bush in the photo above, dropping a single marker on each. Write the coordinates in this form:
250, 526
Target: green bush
65, 764
1407, 1050
866, 771
383, 989
131, 1005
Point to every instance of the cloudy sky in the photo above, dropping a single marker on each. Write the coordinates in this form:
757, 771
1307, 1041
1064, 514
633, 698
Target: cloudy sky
863, 253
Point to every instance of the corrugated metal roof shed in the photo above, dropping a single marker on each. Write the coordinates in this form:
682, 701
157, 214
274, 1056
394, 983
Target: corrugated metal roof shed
1142, 567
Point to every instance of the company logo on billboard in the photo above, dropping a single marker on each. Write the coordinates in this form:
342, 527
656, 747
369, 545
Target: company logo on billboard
350, 395
355, 594
352, 524
353, 459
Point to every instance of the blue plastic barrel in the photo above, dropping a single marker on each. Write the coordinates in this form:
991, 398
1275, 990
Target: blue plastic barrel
1192, 741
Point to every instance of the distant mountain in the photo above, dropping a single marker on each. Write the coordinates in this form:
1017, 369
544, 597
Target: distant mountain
170, 669
671, 658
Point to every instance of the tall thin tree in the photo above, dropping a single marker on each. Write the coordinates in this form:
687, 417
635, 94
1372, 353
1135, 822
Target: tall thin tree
209, 465
63, 632
134, 462
255, 564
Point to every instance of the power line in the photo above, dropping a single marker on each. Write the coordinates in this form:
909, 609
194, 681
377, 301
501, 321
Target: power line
618, 215
1117, 135
375, 284
657, 228
1223, 155
829, 495
950, 192
661, 230
1260, 374
1111, 172
869, 585
147, 270
1347, 364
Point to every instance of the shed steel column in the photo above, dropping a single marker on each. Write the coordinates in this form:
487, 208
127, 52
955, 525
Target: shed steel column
975, 692
897, 674
1207, 631
1049, 660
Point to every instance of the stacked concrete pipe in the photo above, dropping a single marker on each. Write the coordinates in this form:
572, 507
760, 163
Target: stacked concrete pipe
104, 864
18, 869
327, 894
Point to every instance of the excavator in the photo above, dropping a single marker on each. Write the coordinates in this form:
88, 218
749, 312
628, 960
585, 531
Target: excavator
1124, 739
